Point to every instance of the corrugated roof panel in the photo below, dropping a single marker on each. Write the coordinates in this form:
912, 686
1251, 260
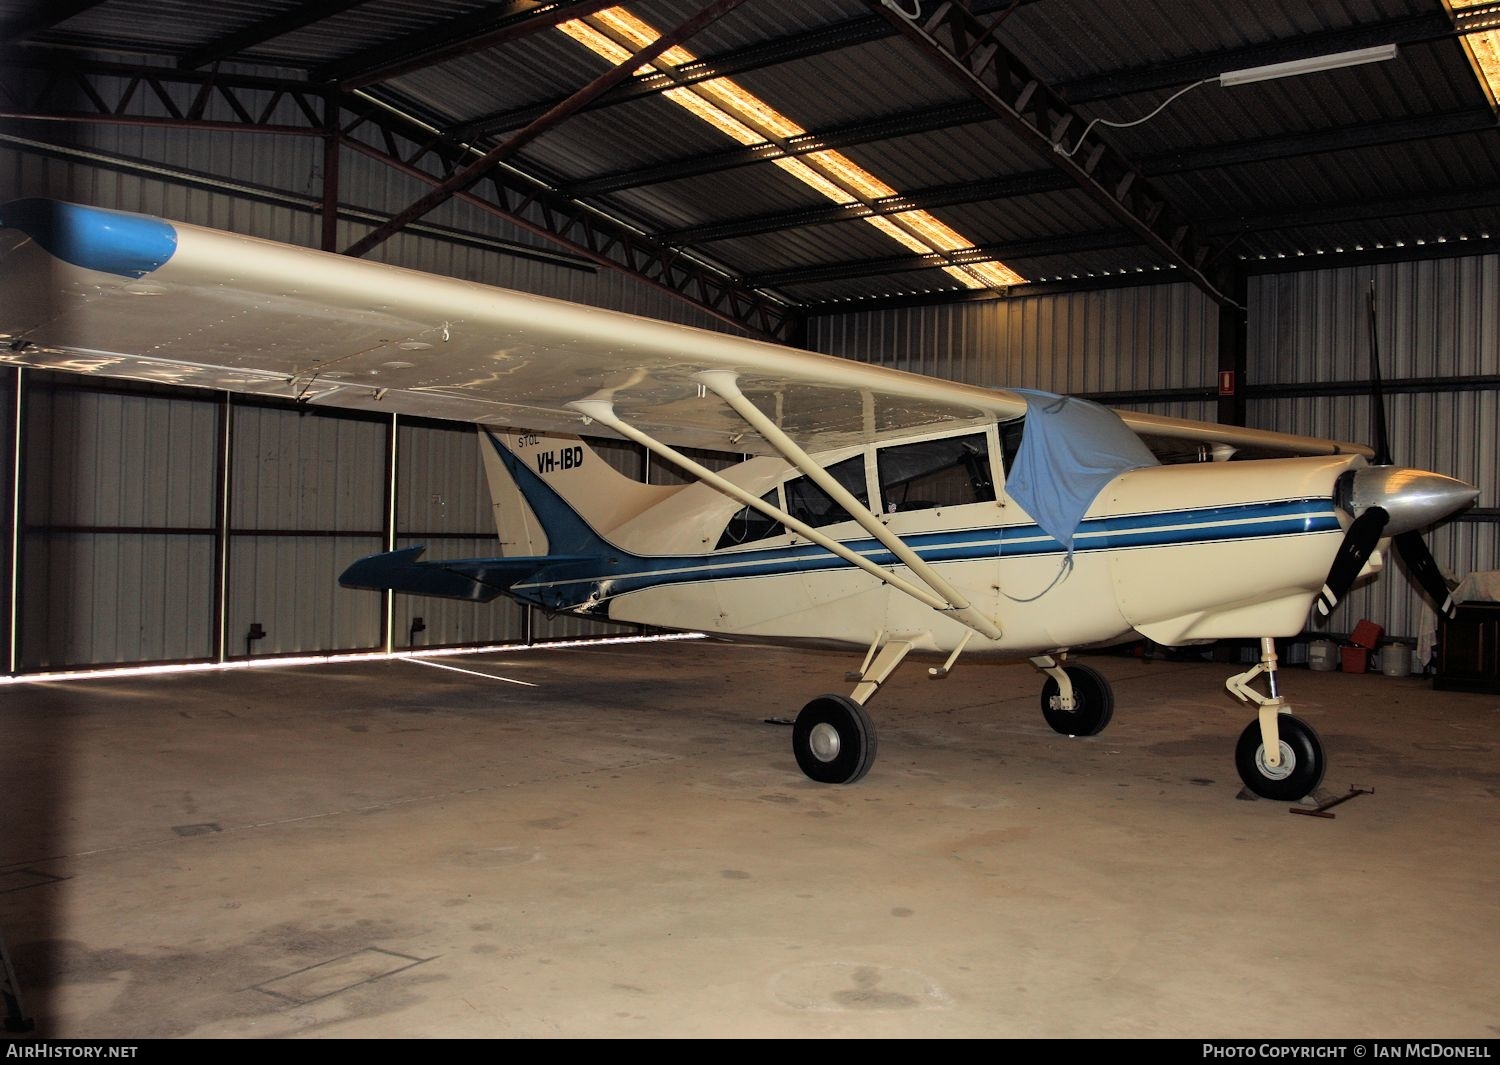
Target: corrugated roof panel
365, 25
541, 69
1339, 179
877, 78
851, 241
173, 26
156, 26
1023, 218
750, 23
646, 132
947, 156
758, 189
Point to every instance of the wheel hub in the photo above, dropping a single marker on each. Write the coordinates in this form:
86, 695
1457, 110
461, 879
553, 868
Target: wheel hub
824, 742
1280, 772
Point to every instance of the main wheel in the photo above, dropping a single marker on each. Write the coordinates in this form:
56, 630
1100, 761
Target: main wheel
834, 740
1302, 764
1093, 703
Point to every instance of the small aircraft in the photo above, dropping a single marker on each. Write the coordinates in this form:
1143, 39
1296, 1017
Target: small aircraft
876, 510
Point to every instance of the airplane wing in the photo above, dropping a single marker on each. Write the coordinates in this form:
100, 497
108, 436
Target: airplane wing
102, 292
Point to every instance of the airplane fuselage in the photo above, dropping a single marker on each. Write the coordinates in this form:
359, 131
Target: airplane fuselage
1174, 553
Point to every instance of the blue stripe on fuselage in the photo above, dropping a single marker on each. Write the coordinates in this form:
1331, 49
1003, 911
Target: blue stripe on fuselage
576, 583
114, 243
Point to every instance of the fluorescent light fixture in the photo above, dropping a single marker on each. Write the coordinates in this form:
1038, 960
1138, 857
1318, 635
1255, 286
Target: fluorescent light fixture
747, 119
1481, 38
1310, 65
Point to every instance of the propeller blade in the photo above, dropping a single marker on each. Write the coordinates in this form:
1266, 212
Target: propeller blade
1424, 570
1354, 552
1377, 390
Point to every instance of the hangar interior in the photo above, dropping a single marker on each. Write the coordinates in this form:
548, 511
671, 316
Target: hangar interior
915, 184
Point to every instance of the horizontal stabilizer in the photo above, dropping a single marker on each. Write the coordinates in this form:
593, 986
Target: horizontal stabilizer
478, 580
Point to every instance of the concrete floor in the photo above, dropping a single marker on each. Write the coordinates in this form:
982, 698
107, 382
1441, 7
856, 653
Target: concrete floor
387, 849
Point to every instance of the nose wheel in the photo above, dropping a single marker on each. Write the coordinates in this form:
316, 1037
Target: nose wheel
1278, 756
1299, 768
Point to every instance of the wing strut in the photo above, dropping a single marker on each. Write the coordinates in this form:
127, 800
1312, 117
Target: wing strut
725, 384
602, 411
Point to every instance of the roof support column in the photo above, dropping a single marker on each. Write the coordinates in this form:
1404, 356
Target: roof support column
1234, 344
331, 146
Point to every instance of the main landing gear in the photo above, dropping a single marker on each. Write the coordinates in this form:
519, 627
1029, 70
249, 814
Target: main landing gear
1076, 700
1278, 756
833, 738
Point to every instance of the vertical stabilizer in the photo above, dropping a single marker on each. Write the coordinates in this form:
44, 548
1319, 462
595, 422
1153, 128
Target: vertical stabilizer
556, 494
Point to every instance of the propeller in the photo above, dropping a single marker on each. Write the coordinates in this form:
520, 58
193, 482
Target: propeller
1359, 544
1388, 500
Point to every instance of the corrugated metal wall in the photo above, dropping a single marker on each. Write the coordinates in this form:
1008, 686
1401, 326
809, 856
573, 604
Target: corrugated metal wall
1438, 322
1120, 340
307, 494
117, 511
442, 501
7, 507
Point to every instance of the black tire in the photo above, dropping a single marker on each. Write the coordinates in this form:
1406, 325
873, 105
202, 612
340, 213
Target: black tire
834, 740
1093, 703
1302, 762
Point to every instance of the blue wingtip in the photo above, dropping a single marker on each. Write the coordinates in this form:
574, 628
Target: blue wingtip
113, 242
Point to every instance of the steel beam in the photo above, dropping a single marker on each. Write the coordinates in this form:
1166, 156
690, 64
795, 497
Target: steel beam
416, 151
923, 120
898, 264
329, 210
1027, 184
40, 88
956, 43
1373, 134
1480, 198
1477, 199
470, 174
1234, 353
812, 43
803, 44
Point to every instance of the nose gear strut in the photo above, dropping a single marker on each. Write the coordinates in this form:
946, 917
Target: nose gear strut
1278, 756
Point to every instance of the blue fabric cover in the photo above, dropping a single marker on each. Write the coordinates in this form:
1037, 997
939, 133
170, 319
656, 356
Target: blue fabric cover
1070, 450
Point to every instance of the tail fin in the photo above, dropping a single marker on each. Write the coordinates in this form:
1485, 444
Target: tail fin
556, 495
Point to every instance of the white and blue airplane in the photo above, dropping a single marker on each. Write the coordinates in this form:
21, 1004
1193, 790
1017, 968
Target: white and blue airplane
880, 511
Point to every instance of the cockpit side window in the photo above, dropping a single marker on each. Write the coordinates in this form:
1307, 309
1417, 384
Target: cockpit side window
935, 473
749, 525
807, 502
1010, 441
